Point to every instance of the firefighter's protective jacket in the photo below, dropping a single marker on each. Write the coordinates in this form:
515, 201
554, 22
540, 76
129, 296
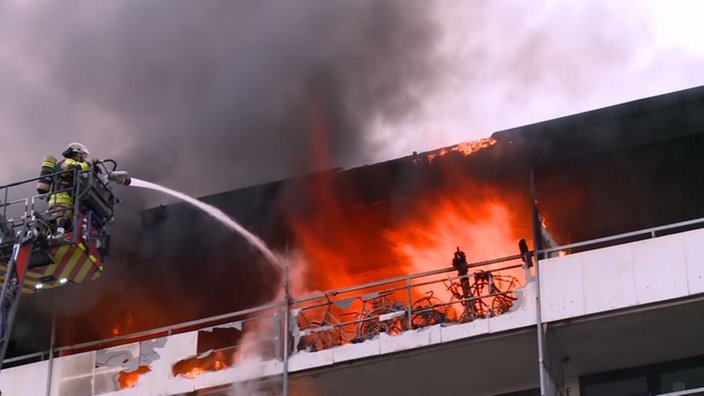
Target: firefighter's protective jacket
68, 168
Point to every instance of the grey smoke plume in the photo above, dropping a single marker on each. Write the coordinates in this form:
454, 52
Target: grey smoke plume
211, 96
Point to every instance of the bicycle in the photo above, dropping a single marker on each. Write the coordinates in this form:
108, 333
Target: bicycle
504, 296
464, 300
383, 315
473, 296
317, 335
428, 311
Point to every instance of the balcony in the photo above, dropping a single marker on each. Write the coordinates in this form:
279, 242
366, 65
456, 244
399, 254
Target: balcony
607, 308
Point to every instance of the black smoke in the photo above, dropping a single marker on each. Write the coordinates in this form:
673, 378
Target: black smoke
216, 95
209, 96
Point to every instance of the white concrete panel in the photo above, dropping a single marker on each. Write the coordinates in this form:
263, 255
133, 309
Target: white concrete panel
659, 268
130, 392
27, 380
608, 279
76, 365
173, 386
355, 351
243, 372
406, 340
435, 333
526, 300
694, 256
464, 330
75, 374
561, 288
160, 379
522, 313
305, 360
106, 380
508, 321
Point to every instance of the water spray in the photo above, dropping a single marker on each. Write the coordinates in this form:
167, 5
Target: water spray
123, 178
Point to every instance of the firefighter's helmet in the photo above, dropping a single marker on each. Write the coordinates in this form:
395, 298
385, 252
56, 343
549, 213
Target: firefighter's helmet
75, 148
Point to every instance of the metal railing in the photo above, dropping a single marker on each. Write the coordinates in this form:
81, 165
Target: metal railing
645, 233
357, 313
352, 314
87, 190
360, 313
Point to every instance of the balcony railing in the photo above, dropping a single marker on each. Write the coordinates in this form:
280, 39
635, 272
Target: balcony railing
358, 313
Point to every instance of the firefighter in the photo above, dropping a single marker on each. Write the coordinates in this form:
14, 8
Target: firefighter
61, 202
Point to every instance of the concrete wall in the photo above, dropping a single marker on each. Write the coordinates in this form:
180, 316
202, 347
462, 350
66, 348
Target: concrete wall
622, 276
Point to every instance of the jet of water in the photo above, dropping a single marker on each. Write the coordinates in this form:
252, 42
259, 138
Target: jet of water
220, 216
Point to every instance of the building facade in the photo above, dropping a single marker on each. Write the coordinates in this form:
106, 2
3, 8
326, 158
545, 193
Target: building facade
610, 302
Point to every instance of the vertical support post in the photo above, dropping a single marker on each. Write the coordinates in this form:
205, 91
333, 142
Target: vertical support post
4, 204
12, 287
52, 345
537, 245
287, 318
277, 326
410, 303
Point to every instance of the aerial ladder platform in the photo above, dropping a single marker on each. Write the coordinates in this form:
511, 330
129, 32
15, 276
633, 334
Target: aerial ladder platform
33, 257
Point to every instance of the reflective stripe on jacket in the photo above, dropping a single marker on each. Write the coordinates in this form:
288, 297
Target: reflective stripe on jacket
65, 180
60, 198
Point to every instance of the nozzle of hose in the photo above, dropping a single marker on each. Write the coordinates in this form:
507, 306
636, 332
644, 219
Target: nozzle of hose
120, 177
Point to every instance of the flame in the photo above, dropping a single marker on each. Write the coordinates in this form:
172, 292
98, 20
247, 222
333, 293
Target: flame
129, 379
124, 327
345, 238
543, 221
345, 244
346, 241
483, 229
465, 149
195, 371
340, 244
336, 241
196, 365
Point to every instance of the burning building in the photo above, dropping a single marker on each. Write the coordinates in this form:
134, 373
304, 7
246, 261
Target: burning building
628, 171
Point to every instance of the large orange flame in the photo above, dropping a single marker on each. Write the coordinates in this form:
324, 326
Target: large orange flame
344, 246
346, 241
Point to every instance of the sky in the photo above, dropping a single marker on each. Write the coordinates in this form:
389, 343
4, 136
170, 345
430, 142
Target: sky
210, 96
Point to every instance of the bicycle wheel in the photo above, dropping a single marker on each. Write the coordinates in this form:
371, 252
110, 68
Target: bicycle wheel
428, 311
372, 326
398, 323
480, 309
321, 338
368, 328
503, 302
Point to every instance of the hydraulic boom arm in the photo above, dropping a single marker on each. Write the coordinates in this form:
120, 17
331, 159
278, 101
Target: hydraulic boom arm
12, 287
